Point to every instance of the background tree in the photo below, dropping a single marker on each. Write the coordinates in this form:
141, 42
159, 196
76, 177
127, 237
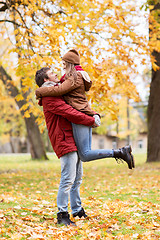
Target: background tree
11, 122
14, 89
103, 31
36, 144
153, 151
119, 128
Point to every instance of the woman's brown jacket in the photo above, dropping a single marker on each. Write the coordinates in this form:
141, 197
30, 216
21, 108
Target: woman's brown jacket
73, 92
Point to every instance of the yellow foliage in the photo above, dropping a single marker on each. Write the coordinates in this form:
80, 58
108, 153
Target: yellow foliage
103, 32
155, 67
19, 97
26, 114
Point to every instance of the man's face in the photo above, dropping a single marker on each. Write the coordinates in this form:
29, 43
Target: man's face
51, 76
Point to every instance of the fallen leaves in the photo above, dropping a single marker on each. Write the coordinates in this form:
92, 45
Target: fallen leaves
119, 206
106, 224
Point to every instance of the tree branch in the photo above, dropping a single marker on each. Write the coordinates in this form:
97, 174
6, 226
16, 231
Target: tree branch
11, 3
4, 7
8, 82
157, 6
111, 38
10, 87
27, 29
51, 14
10, 21
4, 51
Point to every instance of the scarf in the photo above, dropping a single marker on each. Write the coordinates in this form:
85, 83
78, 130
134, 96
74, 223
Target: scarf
81, 70
49, 84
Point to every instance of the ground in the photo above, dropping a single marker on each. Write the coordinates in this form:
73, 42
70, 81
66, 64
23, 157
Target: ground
121, 203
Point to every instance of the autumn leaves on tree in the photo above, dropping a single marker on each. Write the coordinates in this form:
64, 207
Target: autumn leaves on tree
104, 32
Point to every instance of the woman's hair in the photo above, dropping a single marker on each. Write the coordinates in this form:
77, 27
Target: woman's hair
41, 75
70, 70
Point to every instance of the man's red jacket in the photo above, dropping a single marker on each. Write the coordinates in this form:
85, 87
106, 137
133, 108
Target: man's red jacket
58, 116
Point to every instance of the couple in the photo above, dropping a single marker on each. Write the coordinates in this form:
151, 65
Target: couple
69, 120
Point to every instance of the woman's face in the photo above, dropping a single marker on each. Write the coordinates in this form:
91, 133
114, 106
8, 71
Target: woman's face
64, 65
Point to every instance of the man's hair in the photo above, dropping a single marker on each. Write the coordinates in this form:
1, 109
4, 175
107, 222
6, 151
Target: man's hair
41, 75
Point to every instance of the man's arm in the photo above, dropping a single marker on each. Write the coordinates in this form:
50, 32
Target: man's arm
58, 106
68, 85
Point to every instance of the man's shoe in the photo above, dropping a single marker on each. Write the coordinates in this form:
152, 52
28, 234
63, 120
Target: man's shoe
64, 218
80, 214
124, 154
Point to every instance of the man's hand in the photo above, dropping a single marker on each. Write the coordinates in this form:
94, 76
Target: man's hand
38, 98
97, 122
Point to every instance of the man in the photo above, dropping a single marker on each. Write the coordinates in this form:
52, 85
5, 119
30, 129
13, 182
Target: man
58, 116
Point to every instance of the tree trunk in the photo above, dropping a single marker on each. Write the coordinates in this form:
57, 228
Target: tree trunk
128, 123
11, 144
37, 147
153, 149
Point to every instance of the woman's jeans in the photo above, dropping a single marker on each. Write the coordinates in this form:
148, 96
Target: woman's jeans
83, 139
71, 179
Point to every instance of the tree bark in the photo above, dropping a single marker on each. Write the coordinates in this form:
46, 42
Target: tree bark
153, 146
153, 149
37, 147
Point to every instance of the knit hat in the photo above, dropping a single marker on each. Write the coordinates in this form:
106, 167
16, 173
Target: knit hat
72, 56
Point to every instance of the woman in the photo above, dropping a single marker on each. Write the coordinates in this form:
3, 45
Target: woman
74, 84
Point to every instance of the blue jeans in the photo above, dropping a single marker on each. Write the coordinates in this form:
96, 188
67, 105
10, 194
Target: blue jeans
71, 179
83, 139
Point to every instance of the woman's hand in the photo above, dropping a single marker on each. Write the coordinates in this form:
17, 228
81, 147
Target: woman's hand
97, 122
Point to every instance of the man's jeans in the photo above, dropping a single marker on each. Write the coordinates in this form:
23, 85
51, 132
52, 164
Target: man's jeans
83, 139
71, 179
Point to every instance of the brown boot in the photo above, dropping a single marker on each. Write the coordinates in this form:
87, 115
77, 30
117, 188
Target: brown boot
80, 214
124, 154
64, 218
130, 150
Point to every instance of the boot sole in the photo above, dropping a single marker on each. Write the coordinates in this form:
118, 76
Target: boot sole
128, 151
66, 224
129, 148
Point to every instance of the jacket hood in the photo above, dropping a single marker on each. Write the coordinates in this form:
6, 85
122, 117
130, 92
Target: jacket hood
87, 85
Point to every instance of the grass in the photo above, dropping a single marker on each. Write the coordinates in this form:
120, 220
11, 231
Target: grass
122, 204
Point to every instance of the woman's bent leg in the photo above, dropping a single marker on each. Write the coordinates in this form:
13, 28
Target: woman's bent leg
82, 136
68, 175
